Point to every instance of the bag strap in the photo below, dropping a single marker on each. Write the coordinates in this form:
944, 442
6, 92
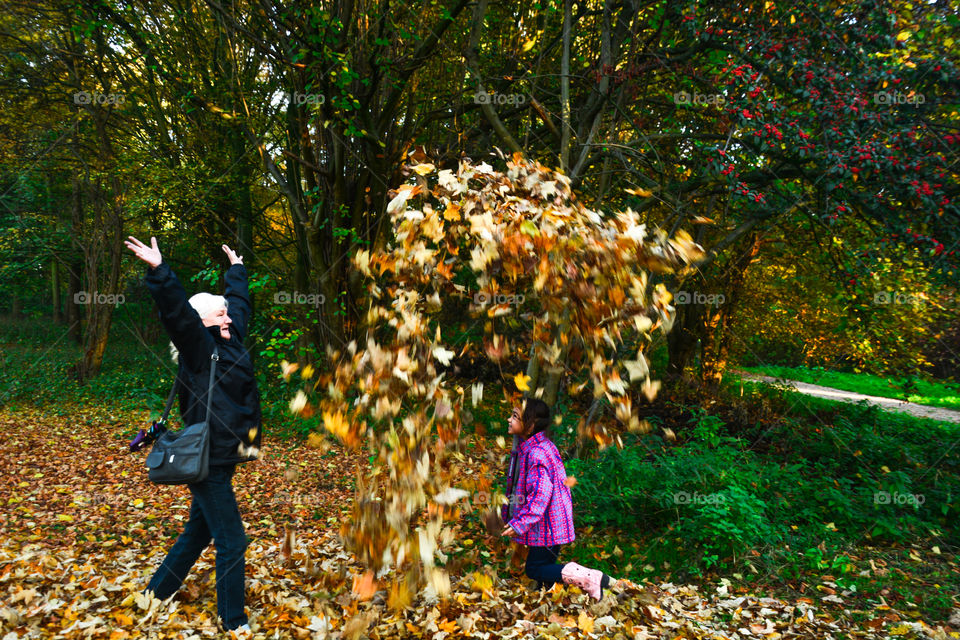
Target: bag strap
215, 356
162, 422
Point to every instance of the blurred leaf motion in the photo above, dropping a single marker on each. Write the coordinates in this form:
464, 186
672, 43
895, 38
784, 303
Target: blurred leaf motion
572, 275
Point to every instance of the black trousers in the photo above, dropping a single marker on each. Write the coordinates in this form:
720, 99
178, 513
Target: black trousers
542, 565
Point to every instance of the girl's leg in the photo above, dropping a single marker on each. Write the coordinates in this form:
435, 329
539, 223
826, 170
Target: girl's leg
593, 581
542, 565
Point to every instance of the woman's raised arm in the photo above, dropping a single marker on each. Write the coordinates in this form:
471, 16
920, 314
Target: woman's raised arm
150, 255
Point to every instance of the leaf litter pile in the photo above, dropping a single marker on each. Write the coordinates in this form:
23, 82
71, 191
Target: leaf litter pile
84, 530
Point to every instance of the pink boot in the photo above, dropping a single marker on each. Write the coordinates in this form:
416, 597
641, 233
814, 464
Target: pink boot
587, 579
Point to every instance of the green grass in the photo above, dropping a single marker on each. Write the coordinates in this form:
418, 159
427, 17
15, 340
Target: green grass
932, 394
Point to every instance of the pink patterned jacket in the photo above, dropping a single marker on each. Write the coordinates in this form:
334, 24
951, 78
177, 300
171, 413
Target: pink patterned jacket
542, 512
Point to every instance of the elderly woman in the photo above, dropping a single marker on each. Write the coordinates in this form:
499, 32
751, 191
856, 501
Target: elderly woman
196, 326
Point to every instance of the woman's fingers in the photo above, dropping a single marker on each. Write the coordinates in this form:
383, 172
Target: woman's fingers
234, 258
150, 255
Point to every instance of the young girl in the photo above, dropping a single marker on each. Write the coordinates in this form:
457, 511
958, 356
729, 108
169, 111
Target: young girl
539, 511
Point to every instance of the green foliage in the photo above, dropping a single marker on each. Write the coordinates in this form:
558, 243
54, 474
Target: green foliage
209, 275
880, 314
828, 473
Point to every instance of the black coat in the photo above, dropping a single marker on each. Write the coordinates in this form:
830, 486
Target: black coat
235, 407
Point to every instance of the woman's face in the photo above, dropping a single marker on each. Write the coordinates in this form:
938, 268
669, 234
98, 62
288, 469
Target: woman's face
514, 424
219, 318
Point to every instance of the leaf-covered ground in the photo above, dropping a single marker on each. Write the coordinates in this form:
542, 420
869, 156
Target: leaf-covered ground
84, 530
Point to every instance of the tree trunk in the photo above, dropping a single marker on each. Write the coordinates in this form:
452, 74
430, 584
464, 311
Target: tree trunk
74, 280
533, 370
55, 290
565, 88
102, 246
682, 340
716, 338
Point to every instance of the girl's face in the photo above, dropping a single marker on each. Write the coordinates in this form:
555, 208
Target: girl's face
514, 424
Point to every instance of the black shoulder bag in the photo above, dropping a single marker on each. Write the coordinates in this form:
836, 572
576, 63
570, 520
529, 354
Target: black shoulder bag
183, 457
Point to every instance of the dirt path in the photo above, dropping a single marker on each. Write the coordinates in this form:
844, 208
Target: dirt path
890, 404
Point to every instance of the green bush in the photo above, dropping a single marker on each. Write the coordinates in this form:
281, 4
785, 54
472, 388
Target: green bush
825, 473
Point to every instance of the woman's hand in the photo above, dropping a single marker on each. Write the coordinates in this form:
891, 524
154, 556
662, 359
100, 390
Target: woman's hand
234, 259
150, 255
509, 532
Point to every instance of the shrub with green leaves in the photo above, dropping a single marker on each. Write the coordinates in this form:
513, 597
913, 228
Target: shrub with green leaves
827, 472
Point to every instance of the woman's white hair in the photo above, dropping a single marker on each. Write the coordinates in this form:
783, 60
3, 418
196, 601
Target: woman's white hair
204, 304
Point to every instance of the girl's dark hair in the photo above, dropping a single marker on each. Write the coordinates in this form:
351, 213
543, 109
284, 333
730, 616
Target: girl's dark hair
536, 416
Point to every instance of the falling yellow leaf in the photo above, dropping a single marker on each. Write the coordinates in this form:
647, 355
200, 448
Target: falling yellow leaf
336, 424
400, 596
298, 403
364, 586
287, 368
452, 212
307, 372
424, 169
316, 441
482, 583
650, 388
522, 381
637, 369
642, 193
286, 547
